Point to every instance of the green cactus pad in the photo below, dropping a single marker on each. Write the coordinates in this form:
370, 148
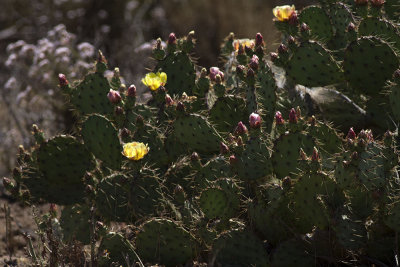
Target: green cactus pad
114, 248
195, 132
240, 248
318, 21
112, 198
341, 17
266, 93
75, 224
326, 137
392, 215
227, 111
165, 242
214, 169
146, 194
251, 100
286, 152
146, 112
102, 140
371, 167
394, 100
220, 200
312, 65
368, 63
214, 203
380, 28
63, 162
90, 96
292, 253
349, 233
255, 161
180, 72
308, 194
151, 135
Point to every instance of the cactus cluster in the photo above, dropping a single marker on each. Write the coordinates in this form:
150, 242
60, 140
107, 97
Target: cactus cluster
234, 166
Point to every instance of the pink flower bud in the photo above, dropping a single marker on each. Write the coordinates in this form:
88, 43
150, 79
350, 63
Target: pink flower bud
214, 71
171, 39
62, 80
254, 61
282, 49
293, 19
351, 27
250, 73
351, 134
304, 28
303, 155
194, 156
180, 106
279, 119
240, 69
255, 120
119, 110
315, 155
131, 91
224, 149
233, 160
240, 129
114, 96
292, 116
274, 56
259, 40
239, 141
168, 100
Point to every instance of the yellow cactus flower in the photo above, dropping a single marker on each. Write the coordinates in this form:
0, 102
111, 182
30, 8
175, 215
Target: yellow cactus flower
243, 43
155, 80
283, 13
135, 150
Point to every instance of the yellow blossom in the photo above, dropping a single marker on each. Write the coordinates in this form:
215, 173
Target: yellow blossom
243, 42
135, 150
155, 80
283, 13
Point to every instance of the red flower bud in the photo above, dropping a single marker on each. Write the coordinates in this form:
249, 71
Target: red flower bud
194, 156
254, 62
315, 155
171, 39
132, 91
62, 80
233, 160
240, 129
114, 96
279, 119
293, 19
292, 116
351, 134
168, 100
224, 149
214, 71
255, 120
259, 40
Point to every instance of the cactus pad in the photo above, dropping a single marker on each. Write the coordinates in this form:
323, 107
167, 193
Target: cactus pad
114, 248
102, 140
286, 152
74, 222
380, 28
112, 198
197, 133
227, 111
164, 241
240, 248
180, 72
311, 65
318, 21
90, 96
368, 63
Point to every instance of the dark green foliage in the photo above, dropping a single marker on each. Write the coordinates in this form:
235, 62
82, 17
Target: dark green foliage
318, 21
74, 222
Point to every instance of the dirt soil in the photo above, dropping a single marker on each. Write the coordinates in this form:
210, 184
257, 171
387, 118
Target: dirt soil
14, 253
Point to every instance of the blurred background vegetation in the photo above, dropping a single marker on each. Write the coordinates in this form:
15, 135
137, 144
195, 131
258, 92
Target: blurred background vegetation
41, 38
